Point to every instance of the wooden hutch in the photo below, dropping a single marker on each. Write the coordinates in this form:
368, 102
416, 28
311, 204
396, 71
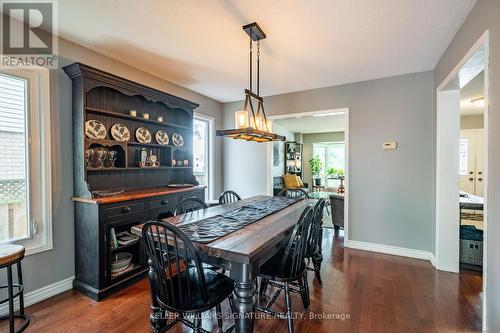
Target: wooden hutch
101, 96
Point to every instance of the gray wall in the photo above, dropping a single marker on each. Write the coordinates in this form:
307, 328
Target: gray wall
485, 15
391, 193
55, 265
308, 140
471, 122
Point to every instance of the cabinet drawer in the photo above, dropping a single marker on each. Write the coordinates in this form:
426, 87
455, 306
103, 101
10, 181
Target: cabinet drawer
124, 210
162, 202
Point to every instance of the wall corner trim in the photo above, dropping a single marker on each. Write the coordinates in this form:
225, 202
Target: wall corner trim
394, 250
41, 294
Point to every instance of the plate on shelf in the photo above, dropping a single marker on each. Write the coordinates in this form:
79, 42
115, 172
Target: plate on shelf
143, 135
94, 129
180, 185
120, 133
162, 138
103, 194
177, 140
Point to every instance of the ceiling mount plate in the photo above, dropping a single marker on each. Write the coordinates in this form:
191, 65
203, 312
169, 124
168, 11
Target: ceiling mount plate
254, 31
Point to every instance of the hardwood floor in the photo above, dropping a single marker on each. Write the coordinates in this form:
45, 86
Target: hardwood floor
379, 293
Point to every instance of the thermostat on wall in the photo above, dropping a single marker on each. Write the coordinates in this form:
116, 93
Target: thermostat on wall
390, 145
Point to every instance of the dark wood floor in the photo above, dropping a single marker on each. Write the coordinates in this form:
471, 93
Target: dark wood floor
379, 293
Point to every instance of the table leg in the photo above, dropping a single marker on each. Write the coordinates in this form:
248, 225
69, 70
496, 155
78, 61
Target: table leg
244, 277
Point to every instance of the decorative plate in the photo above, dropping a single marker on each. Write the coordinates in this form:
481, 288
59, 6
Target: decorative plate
120, 133
95, 129
177, 140
162, 137
180, 185
143, 135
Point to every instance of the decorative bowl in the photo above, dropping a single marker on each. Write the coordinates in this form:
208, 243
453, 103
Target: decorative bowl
121, 261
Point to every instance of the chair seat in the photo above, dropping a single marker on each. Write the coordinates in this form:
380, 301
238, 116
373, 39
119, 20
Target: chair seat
271, 269
219, 287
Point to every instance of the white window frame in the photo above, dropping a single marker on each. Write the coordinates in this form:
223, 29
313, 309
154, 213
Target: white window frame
325, 176
39, 167
211, 139
463, 171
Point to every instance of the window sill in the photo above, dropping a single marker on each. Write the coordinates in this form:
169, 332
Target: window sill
37, 249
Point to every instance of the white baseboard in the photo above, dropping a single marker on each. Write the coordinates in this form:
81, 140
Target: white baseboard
433, 260
394, 250
39, 295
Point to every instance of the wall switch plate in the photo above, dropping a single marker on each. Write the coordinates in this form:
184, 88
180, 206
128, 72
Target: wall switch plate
390, 145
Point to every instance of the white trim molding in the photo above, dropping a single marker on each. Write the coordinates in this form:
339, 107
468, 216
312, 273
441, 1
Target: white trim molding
41, 294
394, 250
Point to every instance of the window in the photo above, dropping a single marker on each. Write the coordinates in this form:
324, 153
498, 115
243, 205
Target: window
464, 151
202, 150
25, 184
332, 154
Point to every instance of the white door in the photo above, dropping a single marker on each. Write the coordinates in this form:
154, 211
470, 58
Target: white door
472, 161
479, 162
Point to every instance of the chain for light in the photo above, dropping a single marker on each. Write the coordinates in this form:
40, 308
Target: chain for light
258, 50
250, 64
258, 67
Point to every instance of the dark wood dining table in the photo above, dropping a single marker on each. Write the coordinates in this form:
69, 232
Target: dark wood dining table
242, 251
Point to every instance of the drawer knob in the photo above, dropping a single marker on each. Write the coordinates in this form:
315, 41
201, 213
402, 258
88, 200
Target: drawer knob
164, 202
126, 209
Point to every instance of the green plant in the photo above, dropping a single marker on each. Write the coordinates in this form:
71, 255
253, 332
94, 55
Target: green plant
331, 172
316, 165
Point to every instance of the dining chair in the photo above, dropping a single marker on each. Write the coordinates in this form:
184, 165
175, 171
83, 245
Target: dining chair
228, 197
179, 282
293, 193
288, 267
313, 251
189, 204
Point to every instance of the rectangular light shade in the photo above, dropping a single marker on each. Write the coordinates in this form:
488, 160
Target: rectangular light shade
257, 124
241, 119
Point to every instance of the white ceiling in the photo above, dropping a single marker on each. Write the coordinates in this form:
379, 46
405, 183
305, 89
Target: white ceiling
200, 44
313, 124
473, 89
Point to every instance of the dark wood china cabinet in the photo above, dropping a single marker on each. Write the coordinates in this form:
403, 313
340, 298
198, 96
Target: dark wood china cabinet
140, 193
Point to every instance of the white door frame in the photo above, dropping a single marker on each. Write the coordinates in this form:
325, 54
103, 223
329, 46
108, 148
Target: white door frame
211, 152
443, 189
347, 161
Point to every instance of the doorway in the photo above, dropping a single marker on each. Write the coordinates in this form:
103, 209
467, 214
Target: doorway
317, 134
461, 157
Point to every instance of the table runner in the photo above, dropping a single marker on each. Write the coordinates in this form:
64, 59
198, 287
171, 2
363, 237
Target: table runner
211, 228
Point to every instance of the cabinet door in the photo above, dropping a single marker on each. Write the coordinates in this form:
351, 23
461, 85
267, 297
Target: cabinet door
113, 250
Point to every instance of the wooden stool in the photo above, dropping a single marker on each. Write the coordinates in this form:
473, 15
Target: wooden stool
11, 254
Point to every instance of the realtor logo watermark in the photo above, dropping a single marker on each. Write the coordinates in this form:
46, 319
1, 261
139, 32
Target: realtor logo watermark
29, 34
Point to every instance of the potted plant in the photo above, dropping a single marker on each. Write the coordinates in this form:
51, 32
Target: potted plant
335, 173
316, 167
331, 172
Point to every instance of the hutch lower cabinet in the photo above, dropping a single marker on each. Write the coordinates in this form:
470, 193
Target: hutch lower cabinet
99, 220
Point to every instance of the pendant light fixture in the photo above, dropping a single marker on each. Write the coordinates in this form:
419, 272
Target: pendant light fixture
251, 124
